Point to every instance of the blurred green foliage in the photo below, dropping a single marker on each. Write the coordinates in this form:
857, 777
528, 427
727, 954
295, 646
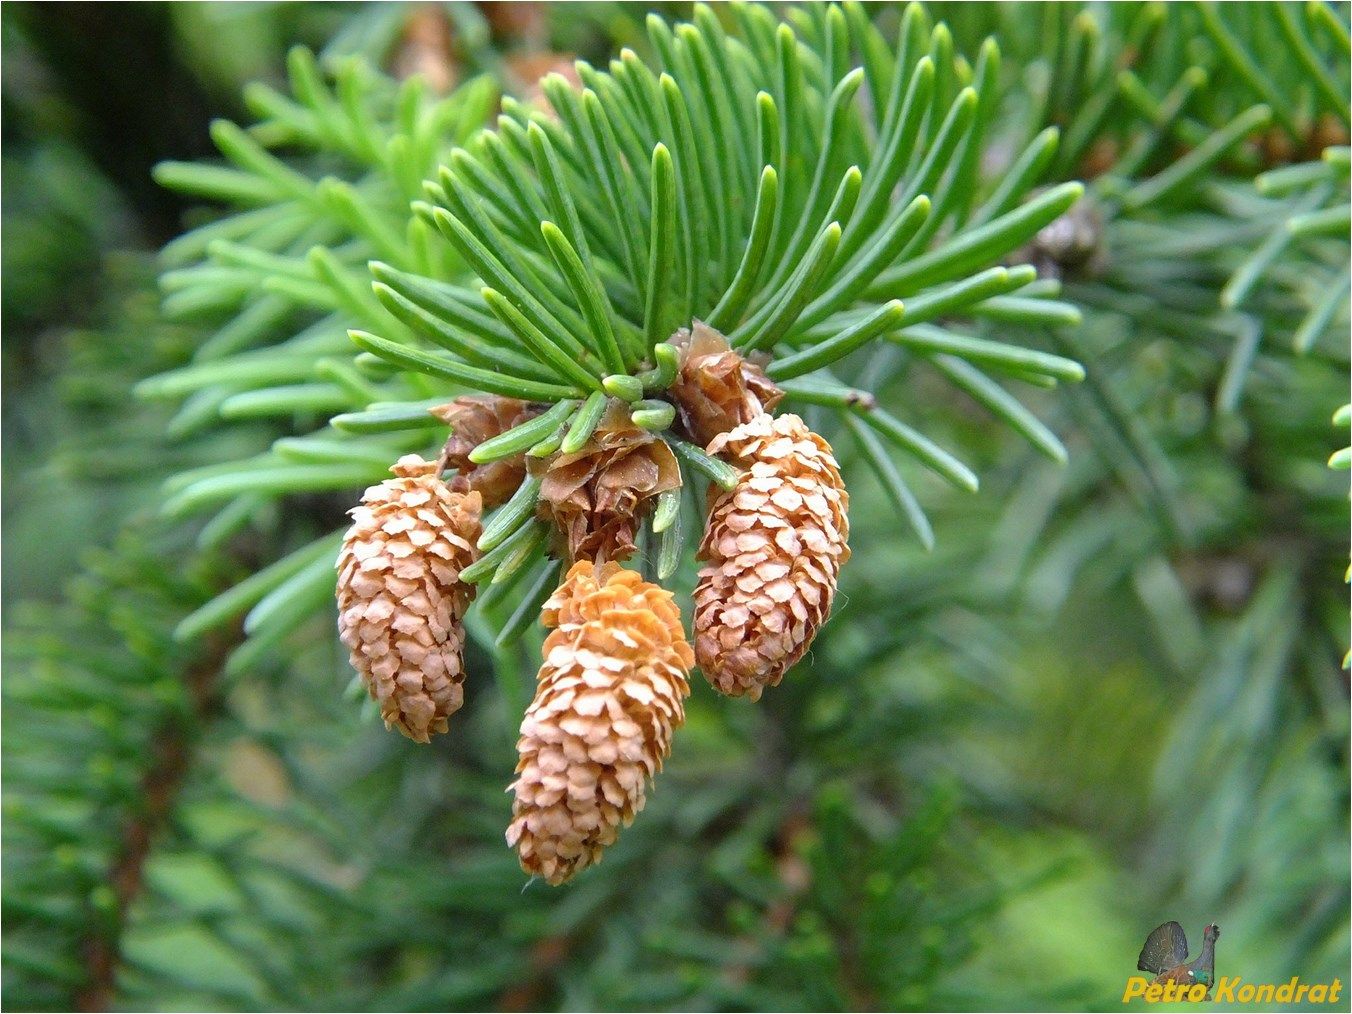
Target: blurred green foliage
1110, 696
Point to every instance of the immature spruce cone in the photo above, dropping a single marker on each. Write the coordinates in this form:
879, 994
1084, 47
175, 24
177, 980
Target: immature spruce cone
596, 495
474, 419
774, 546
609, 697
716, 388
400, 598
427, 48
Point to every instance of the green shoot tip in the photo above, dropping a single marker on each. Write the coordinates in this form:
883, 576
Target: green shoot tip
622, 386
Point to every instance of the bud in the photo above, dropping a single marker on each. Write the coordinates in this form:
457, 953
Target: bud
716, 389
474, 419
774, 545
400, 599
596, 495
609, 697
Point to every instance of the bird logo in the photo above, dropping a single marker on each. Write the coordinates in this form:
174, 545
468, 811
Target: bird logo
1165, 956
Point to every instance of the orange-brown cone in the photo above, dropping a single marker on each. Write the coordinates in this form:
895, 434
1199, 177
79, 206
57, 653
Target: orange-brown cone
774, 546
609, 697
400, 597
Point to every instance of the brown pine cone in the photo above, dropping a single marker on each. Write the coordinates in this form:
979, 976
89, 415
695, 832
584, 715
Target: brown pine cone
609, 697
400, 598
427, 48
716, 389
474, 419
596, 496
774, 545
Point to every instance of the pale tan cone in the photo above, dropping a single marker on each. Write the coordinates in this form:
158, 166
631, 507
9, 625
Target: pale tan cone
609, 697
400, 597
774, 546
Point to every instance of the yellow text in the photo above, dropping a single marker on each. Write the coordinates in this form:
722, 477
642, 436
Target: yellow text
1233, 989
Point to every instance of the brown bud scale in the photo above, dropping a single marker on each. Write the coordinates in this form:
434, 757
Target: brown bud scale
474, 419
717, 389
596, 496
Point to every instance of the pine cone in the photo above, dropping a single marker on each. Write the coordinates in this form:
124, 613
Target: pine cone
595, 496
775, 544
427, 48
400, 598
610, 695
715, 388
474, 419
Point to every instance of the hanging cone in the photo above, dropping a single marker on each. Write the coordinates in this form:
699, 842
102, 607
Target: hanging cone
596, 496
609, 697
427, 49
716, 389
474, 419
400, 598
774, 545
